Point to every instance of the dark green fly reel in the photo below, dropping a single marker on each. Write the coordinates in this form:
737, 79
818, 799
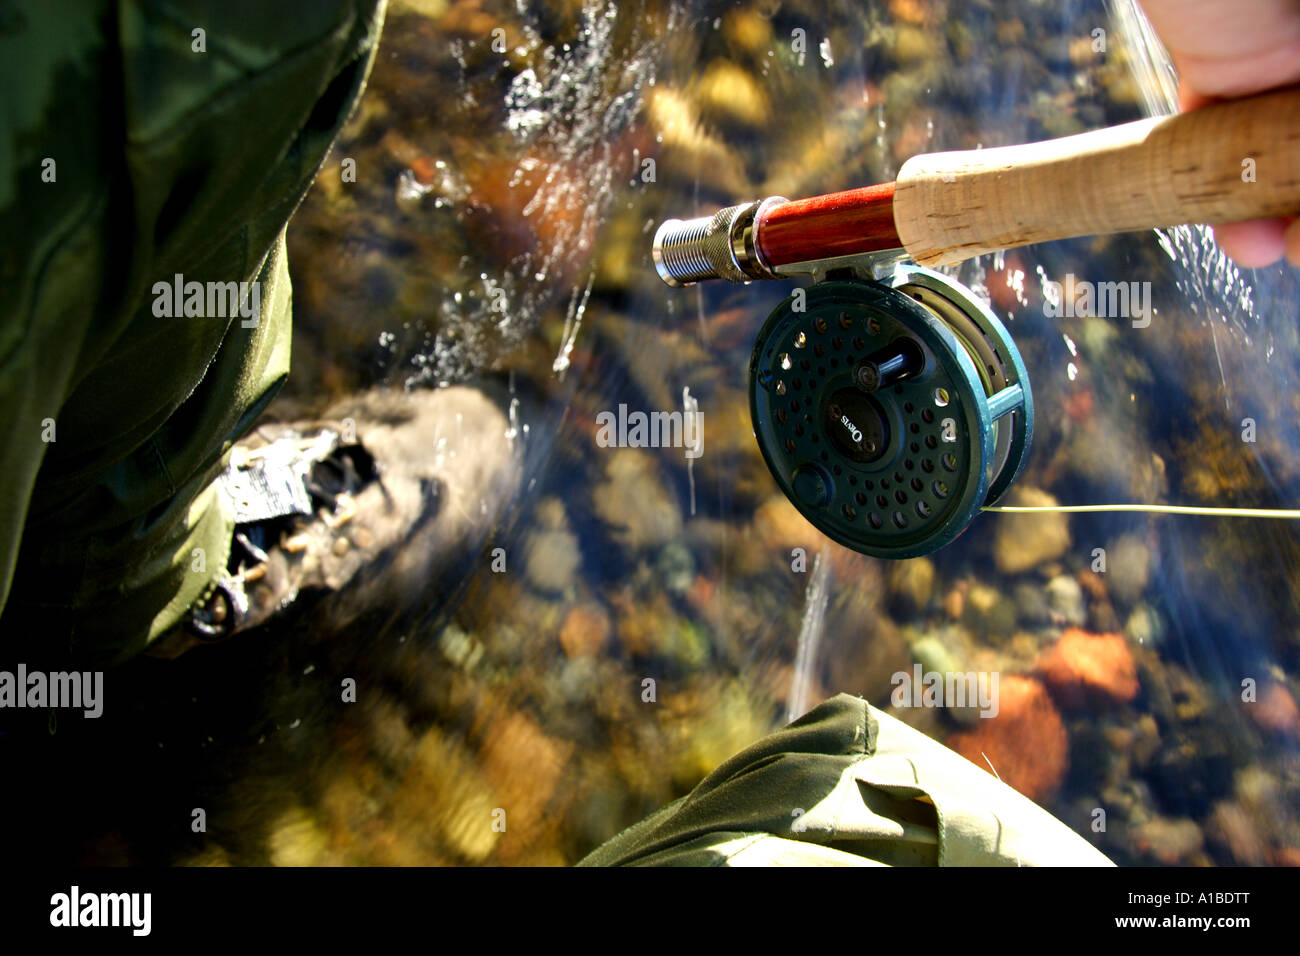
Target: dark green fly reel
890, 412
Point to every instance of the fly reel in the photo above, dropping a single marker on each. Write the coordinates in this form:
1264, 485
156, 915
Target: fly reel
890, 412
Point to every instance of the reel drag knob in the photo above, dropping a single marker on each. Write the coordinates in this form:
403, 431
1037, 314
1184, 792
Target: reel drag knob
890, 413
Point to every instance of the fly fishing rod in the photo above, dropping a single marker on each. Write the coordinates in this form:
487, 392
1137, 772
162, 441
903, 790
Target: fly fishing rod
889, 402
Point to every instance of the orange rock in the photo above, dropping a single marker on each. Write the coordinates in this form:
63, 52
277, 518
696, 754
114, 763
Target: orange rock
403, 150
1275, 711
525, 770
641, 626
909, 11
1007, 286
1079, 404
540, 206
584, 631
1286, 856
954, 602
467, 19
1080, 665
1026, 742
1092, 583
1168, 841
702, 593
425, 169
912, 139
781, 527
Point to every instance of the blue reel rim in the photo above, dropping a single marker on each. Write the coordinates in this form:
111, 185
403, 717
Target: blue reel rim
983, 317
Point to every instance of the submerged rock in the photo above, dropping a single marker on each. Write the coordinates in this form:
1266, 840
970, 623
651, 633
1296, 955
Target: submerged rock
1128, 568
914, 45
584, 631
1082, 665
649, 629
731, 94
780, 528
912, 582
1169, 841
633, 502
1274, 710
1232, 831
723, 718
676, 120
1065, 599
1025, 541
298, 839
1026, 742
524, 769
443, 793
867, 659
747, 31
676, 567
1031, 604
552, 561
989, 613
933, 655
1144, 625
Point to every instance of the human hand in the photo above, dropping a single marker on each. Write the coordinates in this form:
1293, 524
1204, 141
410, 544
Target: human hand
1225, 49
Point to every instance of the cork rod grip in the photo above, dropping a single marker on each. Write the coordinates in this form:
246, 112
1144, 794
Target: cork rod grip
1187, 168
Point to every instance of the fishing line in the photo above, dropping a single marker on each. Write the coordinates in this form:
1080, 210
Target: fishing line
1282, 513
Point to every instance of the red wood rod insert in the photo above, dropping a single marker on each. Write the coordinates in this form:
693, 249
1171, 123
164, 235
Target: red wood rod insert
837, 224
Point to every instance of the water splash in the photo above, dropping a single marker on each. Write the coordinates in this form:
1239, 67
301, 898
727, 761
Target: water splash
1208, 280
691, 413
565, 122
810, 635
572, 324
824, 49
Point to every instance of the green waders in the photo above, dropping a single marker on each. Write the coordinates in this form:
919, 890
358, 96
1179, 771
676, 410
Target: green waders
144, 140
848, 785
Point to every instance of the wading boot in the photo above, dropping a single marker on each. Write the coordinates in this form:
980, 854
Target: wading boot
377, 497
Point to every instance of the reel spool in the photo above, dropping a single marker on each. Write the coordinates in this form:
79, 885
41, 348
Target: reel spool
890, 412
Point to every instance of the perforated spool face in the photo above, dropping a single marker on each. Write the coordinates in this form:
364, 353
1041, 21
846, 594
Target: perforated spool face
895, 473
